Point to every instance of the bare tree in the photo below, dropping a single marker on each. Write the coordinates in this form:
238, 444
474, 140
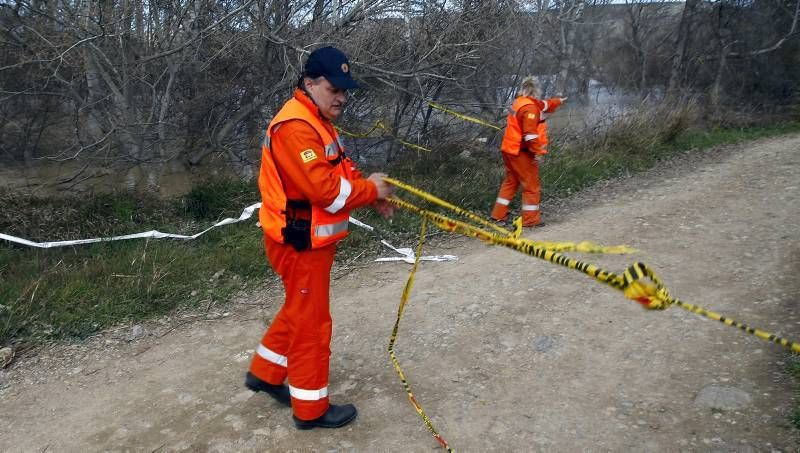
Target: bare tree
121, 83
682, 39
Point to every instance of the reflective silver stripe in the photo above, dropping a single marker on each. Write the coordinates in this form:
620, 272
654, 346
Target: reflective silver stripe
339, 142
545, 105
527, 137
271, 356
530, 207
331, 229
344, 191
266, 141
331, 150
308, 395
503, 201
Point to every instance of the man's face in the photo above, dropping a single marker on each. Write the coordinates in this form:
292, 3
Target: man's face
328, 98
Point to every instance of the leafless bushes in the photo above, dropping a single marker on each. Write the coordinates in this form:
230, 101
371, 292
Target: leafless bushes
126, 82
638, 128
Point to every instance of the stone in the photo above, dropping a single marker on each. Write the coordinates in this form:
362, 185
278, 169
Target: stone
6, 356
137, 332
723, 398
543, 343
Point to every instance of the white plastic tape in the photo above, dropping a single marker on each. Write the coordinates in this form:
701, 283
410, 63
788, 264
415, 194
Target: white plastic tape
361, 224
407, 254
246, 214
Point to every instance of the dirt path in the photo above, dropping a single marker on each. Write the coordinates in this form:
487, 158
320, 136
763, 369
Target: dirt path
504, 351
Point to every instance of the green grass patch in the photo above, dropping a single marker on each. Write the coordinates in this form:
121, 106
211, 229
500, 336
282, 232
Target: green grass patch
72, 292
718, 136
794, 371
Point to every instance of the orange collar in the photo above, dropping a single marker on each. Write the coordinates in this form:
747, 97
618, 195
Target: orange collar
304, 99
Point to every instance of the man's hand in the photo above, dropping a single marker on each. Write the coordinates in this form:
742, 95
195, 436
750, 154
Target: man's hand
384, 208
384, 189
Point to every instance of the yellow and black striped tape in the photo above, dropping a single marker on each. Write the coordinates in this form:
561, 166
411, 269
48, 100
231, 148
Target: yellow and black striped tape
380, 125
395, 362
464, 117
655, 296
470, 215
652, 294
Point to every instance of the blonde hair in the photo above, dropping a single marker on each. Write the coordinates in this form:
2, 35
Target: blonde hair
530, 87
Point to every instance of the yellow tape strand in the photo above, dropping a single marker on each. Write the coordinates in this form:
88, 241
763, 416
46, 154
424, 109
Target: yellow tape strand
447, 224
651, 295
380, 125
655, 296
526, 246
470, 215
585, 246
395, 362
471, 119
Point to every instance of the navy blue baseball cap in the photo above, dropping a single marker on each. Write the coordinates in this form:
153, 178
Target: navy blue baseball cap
332, 64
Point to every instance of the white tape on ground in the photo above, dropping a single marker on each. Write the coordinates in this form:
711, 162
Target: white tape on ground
407, 253
246, 214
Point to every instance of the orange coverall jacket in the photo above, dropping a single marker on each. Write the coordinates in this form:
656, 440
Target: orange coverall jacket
525, 137
296, 347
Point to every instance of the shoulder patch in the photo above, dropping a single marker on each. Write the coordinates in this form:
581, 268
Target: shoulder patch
308, 155
531, 116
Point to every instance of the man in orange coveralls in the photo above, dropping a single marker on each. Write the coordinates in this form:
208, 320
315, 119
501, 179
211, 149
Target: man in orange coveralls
525, 139
308, 188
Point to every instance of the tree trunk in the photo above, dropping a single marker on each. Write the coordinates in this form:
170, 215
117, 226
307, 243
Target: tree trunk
681, 46
716, 89
568, 28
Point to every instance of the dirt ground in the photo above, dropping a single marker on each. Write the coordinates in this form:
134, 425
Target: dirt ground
505, 352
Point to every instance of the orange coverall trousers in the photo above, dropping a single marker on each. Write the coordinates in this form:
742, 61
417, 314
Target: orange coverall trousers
297, 343
520, 169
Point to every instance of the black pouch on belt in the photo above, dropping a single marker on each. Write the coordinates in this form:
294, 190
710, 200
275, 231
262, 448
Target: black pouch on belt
297, 231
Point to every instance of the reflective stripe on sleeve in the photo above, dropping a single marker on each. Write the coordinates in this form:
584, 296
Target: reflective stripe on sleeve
331, 229
503, 201
528, 137
308, 395
530, 207
344, 191
545, 105
331, 150
271, 356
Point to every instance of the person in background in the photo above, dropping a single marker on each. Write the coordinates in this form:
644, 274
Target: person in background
308, 188
524, 142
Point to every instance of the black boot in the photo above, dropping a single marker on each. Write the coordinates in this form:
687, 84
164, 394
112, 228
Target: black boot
334, 417
279, 392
